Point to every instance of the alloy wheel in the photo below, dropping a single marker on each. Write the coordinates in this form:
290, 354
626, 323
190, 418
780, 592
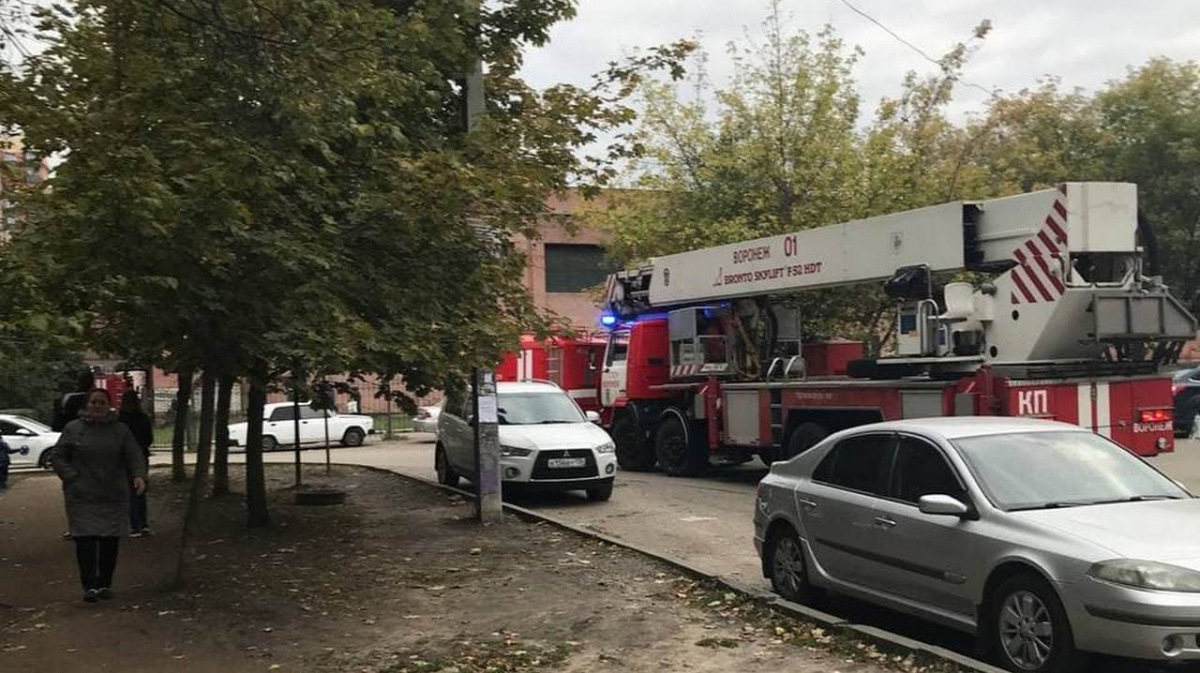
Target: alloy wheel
788, 566
1026, 631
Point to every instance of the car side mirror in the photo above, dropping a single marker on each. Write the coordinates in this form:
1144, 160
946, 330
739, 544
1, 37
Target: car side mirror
471, 420
942, 505
592, 416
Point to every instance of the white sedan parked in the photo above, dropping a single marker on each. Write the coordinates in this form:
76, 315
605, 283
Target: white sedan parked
29, 438
426, 419
279, 427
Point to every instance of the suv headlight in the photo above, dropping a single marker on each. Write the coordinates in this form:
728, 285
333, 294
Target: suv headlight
514, 452
1147, 575
607, 447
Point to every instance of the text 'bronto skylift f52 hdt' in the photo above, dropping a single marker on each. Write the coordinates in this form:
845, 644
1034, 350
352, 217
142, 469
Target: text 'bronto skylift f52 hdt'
706, 362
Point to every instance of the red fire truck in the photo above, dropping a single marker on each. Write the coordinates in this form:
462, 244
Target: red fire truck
707, 362
572, 363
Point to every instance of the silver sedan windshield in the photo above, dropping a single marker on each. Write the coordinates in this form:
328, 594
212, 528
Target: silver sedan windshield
1061, 469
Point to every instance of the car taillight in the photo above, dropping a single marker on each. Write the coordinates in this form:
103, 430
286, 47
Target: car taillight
1156, 415
1176, 388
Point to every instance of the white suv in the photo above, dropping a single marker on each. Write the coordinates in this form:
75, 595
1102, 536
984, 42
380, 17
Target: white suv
546, 441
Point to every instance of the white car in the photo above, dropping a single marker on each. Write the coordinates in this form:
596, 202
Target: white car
279, 427
546, 441
426, 419
29, 438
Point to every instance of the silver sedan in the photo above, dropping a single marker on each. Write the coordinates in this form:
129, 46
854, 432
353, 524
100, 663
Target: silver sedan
1045, 540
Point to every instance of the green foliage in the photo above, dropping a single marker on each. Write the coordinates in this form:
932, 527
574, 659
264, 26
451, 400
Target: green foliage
288, 185
32, 372
1150, 123
782, 152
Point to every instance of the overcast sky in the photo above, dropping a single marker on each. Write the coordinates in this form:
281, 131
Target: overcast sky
1084, 42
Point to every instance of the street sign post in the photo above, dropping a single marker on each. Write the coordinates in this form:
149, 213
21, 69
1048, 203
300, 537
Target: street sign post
488, 505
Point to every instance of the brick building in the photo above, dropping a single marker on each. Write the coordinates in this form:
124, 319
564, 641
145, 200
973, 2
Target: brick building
567, 263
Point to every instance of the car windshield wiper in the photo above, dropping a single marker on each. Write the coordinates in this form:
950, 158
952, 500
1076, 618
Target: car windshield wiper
1138, 498
553, 421
1053, 505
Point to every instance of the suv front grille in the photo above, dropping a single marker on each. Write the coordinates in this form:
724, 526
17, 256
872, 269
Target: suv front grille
542, 469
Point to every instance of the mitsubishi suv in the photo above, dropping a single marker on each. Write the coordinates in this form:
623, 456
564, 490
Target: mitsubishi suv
546, 441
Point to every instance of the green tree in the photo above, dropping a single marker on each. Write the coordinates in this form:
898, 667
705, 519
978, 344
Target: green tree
1151, 136
256, 188
782, 151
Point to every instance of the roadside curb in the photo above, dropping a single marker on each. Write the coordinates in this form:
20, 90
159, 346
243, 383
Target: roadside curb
759, 594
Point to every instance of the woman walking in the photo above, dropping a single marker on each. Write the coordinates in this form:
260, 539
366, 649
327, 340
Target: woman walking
139, 424
97, 457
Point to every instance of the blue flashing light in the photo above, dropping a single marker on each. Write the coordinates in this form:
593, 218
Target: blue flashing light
608, 320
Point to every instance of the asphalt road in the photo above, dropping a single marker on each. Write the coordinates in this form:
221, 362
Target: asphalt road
704, 522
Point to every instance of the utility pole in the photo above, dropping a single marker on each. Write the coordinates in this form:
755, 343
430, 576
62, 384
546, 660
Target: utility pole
296, 427
488, 501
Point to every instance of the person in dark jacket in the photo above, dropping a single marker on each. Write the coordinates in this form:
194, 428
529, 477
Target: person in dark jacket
71, 405
139, 424
98, 459
4, 460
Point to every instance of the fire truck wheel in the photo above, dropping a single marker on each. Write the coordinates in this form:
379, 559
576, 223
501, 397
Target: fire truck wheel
803, 438
634, 453
680, 453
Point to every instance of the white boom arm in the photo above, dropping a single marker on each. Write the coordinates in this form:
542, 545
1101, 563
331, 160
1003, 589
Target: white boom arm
1065, 264
948, 237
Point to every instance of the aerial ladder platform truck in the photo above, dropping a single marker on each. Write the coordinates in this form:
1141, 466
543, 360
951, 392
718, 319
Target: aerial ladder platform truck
1032, 305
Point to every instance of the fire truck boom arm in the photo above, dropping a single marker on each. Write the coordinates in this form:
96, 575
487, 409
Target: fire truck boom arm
1075, 218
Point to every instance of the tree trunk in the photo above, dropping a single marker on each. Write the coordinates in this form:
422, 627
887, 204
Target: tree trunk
208, 389
208, 382
220, 484
256, 483
183, 399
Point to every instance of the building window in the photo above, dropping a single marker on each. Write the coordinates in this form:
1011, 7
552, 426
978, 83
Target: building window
574, 268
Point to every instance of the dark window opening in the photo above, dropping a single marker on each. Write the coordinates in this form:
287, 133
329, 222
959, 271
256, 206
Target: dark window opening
574, 268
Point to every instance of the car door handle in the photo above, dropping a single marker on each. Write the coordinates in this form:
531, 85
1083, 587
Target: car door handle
808, 505
884, 522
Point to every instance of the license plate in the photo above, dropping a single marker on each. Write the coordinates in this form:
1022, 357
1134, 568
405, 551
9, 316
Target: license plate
560, 463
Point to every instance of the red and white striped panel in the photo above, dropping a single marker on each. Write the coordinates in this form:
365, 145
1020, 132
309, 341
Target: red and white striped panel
685, 370
1040, 256
525, 370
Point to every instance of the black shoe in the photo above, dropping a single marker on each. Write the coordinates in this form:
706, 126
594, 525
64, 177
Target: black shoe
91, 595
104, 593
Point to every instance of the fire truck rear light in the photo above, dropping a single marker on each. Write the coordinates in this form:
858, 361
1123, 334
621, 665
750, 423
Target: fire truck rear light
1156, 415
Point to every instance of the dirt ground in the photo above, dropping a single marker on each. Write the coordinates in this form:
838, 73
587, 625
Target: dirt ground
398, 580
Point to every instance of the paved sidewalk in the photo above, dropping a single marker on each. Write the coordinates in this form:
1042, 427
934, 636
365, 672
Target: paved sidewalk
37, 566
